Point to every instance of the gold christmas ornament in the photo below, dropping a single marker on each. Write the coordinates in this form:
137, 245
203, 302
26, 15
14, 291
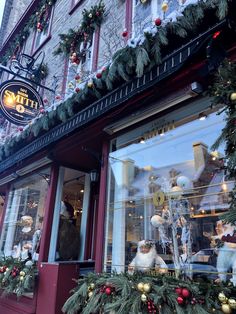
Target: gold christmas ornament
143, 1
21, 278
22, 273
92, 285
232, 303
226, 309
222, 297
233, 96
90, 294
140, 286
90, 15
147, 287
143, 298
90, 84
164, 6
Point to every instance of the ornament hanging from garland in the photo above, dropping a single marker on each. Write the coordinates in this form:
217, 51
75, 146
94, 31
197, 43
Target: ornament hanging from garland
43, 16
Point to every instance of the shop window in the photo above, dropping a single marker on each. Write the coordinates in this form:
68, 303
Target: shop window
167, 190
70, 216
23, 221
43, 32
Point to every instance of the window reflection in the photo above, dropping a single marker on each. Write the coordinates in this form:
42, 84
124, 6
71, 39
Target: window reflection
170, 189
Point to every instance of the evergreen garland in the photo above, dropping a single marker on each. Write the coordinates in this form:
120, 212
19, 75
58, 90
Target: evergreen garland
128, 62
224, 92
18, 41
17, 276
76, 42
147, 293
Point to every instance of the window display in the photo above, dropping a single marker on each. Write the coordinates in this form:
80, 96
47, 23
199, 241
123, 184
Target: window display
70, 216
23, 221
167, 186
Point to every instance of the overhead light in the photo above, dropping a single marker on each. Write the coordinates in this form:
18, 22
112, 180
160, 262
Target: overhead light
190, 91
202, 116
33, 166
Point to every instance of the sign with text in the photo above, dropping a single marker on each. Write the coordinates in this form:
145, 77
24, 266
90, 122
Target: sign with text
19, 101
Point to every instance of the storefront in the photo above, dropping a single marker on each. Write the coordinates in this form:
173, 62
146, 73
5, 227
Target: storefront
129, 183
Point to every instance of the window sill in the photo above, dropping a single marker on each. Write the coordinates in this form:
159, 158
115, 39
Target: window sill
75, 6
41, 45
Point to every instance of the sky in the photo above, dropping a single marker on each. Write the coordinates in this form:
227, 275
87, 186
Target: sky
2, 3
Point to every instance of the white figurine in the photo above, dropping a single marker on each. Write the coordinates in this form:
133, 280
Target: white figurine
147, 258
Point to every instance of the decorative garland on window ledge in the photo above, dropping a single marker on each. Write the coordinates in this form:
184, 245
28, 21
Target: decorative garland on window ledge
132, 61
18, 41
17, 276
141, 293
75, 43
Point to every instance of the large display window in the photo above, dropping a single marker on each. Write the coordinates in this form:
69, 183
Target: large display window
23, 220
167, 190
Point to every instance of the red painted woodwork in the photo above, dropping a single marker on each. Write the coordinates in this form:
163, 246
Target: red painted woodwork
55, 284
101, 211
48, 215
95, 49
11, 305
128, 16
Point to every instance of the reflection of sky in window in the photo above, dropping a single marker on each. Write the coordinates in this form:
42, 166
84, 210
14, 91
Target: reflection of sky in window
175, 146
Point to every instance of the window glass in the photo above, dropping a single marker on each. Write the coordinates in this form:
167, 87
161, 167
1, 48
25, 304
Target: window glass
80, 70
70, 216
23, 220
166, 193
43, 33
142, 16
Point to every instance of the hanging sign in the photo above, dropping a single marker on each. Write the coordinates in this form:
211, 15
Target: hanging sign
19, 102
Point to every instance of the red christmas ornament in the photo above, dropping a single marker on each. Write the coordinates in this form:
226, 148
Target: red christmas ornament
185, 293
125, 33
178, 291
180, 300
42, 110
108, 291
98, 75
158, 21
58, 97
13, 274
45, 100
77, 77
20, 128
77, 89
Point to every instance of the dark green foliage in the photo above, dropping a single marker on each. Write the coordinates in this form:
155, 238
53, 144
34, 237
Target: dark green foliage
222, 90
126, 298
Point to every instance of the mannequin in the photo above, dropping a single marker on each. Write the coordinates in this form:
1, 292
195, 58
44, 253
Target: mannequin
68, 236
147, 258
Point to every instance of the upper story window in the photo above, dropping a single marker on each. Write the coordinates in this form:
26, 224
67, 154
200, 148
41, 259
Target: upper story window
43, 30
80, 67
145, 12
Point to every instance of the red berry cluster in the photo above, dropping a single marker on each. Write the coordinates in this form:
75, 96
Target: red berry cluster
151, 307
14, 272
39, 27
3, 269
183, 295
108, 290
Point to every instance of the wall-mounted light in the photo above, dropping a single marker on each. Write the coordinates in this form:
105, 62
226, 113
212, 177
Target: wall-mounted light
94, 175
